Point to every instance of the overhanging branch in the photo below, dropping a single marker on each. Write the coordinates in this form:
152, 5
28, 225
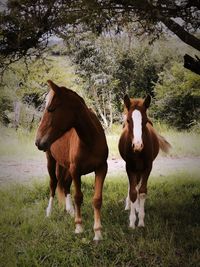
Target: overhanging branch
185, 36
192, 63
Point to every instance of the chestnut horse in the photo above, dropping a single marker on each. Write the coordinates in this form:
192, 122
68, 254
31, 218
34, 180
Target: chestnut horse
138, 146
75, 144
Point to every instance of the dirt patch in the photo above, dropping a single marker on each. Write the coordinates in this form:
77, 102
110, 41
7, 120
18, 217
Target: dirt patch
15, 170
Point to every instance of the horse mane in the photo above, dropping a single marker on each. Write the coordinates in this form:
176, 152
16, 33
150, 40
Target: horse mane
75, 94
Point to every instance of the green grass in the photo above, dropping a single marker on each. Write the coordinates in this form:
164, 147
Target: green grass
170, 238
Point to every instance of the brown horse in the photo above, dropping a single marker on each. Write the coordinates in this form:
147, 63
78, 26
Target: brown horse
75, 144
138, 146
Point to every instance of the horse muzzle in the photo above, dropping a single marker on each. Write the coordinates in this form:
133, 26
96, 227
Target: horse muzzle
137, 147
42, 145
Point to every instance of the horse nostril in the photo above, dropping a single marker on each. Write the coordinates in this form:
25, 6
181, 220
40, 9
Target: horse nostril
41, 145
138, 146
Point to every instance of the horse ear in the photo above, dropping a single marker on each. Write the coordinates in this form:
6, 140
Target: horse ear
127, 101
53, 86
147, 101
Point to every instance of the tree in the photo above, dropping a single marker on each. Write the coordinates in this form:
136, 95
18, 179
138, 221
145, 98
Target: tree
177, 97
26, 24
111, 67
95, 64
23, 91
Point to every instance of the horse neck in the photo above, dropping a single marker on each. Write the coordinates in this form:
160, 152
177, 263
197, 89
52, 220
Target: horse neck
85, 127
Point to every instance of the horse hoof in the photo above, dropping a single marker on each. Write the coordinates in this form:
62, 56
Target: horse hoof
79, 229
48, 213
141, 224
132, 226
127, 207
71, 213
97, 236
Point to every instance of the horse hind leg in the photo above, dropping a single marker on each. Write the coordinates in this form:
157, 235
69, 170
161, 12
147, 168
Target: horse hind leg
51, 166
68, 201
128, 202
64, 185
100, 175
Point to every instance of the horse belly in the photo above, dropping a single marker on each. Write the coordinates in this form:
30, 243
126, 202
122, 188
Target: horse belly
89, 163
136, 164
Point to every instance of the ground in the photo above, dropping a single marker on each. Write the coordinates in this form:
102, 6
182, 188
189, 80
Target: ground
16, 170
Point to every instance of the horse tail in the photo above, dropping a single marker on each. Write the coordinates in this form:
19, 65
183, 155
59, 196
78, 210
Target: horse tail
163, 144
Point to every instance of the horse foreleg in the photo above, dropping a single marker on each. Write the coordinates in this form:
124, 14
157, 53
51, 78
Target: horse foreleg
51, 166
100, 175
142, 196
133, 196
49, 207
128, 202
141, 213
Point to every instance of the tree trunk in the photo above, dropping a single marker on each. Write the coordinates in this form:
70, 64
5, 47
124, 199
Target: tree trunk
17, 108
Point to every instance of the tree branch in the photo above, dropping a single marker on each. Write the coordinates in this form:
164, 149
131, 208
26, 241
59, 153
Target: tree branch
192, 63
181, 33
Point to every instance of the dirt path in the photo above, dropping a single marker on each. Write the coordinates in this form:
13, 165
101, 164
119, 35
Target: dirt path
14, 170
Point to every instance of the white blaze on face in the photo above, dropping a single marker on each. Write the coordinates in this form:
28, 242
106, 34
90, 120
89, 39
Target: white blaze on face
137, 130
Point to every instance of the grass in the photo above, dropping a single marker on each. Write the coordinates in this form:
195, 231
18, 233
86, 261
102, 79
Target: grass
184, 143
20, 144
170, 238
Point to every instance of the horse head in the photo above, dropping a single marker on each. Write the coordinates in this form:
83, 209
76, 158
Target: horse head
136, 119
58, 117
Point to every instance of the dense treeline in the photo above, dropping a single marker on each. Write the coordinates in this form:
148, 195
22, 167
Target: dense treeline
102, 70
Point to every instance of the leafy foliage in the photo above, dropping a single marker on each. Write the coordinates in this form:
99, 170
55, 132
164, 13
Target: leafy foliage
178, 97
102, 70
26, 25
24, 89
